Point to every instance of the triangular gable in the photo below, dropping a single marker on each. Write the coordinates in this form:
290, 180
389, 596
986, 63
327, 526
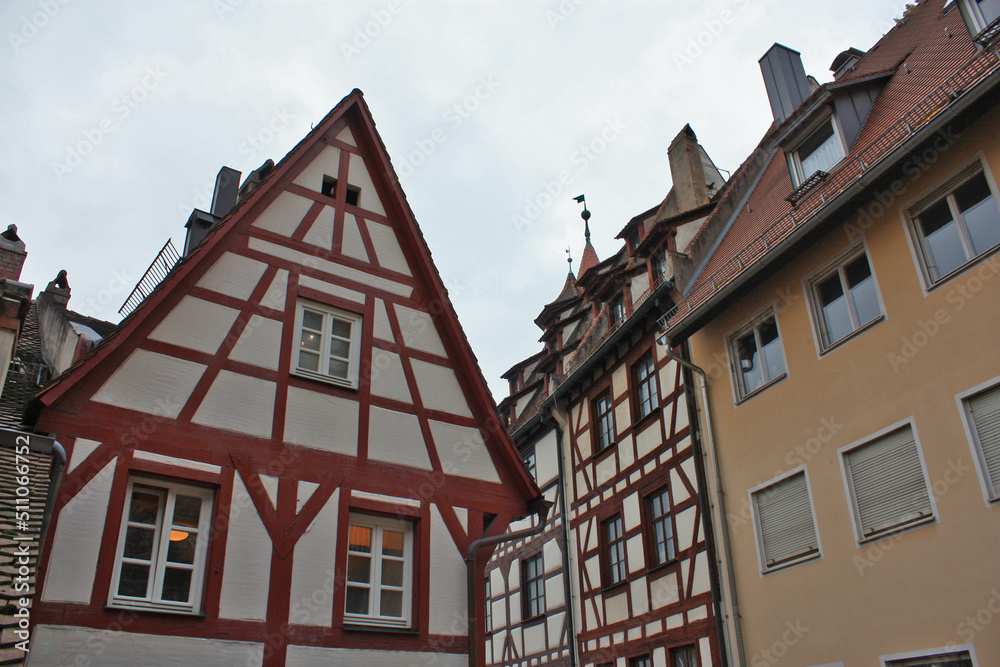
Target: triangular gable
212, 347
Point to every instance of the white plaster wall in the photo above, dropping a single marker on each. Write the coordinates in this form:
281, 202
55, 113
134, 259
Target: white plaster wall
388, 378
395, 437
321, 231
247, 573
616, 608
286, 212
233, 275
685, 528
312, 590
383, 330
304, 493
152, 383
330, 288
321, 421
358, 176
546, 459
439, 388
196, 324
346, 136
82, 448
352, 244
313, 656
275, 295
448, 608
534, 639
640, 284
60, 645
463, 452
327, 163
419, 331
648, 439
260, 343
387, 249
240, 403
77, 542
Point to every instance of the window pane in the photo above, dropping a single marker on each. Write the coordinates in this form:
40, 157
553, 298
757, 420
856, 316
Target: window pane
338, 368
820, 151
359, 569
975, 202
340, 348
310, 340
392, 604
181, 549
357, 600
134, 580
747, 358
862, 286
942, 238
144, 507
774, 357
176, 585
311, 320
836, 315
392, 573
392, 543
360, 539
187, 511
308, 361
139, 543
684, 657
341, 328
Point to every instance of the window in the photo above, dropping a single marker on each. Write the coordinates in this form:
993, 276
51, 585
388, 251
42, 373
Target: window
786, 527
683, 656
614, 550
661, 528
617, 309
950, 659
528, 456
329, 188
820, 152
887, 484
640, 661
758, 355
329, 347
979, 13
379, 571
604, 421
846, 299
983, 415
644, 376
489, 605
160, 562
956, 227
533, 574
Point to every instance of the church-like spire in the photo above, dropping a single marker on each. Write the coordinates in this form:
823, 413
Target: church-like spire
590, 258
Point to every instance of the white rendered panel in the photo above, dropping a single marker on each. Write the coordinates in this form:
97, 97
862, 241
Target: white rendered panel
321, 231
387, 249
701, 580
151, 382
305, 491
685, 528
196, 324
419, 331
383, 330
346, 136
358, 176
275, 295
546, 459
353, 245
616, 608
247, 573
61, 645
395, 437
664, 590
285, 213
238, 403
260, 343
448, 609
174, 461
76, 543
332, 268
321, 421
233, 275
327, 163
312, 589
534, 638
439, 388
331, 289
648, 439
463, 452
314, 656
82, 448
270, 484
388, 379
382, 498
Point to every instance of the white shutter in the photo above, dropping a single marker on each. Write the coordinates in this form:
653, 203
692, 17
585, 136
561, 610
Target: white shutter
889, 486
985, 412
785, 520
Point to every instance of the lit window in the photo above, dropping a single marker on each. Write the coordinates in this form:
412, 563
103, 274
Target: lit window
958, 227
328, 344
614, 551
683, 656
757, 354
786, 527
534, 586
983, 414
160, 562
661, 528
644, 376
379, 571
820, 152
846, 299
604, 420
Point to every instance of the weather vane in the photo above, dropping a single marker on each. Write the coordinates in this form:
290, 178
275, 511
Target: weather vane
585, 214
569, 260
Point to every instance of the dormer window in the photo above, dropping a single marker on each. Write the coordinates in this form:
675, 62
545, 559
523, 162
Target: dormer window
821, 151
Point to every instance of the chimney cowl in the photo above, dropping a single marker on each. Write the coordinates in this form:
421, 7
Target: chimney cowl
844, 61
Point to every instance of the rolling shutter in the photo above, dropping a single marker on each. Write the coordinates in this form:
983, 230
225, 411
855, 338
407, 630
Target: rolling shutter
890, 490
785, 520
985, 412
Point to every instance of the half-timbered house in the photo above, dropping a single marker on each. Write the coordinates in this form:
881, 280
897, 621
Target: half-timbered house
285, 453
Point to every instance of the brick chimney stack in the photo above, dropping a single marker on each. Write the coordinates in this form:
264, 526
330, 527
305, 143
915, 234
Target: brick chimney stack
12, 254
687, 172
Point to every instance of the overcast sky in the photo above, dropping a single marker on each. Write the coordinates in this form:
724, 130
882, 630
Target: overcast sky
116, 116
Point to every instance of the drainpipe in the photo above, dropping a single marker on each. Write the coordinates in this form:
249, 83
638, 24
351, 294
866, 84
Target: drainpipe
541, 510
549, 420
720, 496
55, 478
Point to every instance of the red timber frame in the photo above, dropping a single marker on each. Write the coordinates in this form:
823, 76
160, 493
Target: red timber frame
65, 408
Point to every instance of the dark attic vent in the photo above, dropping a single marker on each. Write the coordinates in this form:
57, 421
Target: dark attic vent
329, 189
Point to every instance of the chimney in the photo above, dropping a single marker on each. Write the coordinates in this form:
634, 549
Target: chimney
227, 186
12, 254
686, 171
58, 290
785, 80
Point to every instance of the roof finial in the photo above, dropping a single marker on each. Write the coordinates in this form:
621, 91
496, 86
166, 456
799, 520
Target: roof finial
569, 259
585, 214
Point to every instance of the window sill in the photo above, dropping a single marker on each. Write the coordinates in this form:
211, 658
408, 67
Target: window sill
932, 285
364, 627
854, 334
325, 379
662, 568
534, 620
615, 589
152, 609
762, 388
895, 530
640, 422
798, 560
599, 456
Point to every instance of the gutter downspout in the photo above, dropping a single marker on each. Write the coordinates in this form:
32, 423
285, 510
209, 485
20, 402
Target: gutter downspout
737, 641
549, 420
542, 512
55, 479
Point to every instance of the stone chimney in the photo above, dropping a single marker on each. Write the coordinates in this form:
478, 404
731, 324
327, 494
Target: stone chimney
12, 254
686, 171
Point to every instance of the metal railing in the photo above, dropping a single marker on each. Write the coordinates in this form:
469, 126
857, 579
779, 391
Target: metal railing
165, 260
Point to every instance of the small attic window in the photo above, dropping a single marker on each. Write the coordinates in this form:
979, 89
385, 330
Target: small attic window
819, 152
329, 189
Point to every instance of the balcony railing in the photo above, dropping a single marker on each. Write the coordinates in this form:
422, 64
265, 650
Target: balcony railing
154, 275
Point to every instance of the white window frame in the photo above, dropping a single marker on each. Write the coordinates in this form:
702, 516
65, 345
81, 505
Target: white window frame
912, 210
168, 492
973, 13
811, 287
842, 454
539, 586
604, 422
530, 460
645, 377
354, 355
378, 524
759, 533
739, 393
990, 492
795, 162
887, 660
